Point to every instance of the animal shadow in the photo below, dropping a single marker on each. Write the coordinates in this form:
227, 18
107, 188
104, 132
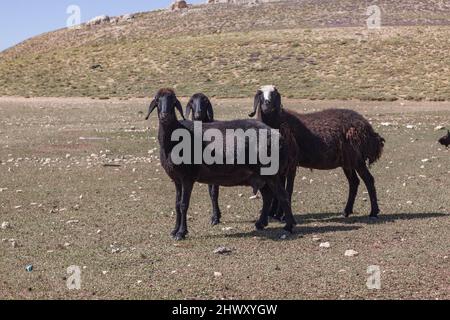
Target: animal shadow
383, 218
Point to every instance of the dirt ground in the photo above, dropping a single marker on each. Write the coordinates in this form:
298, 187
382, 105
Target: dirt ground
60, 207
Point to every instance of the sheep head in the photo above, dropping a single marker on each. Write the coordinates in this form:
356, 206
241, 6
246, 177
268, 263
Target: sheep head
166, 102
268, 100
201, 108
445, 141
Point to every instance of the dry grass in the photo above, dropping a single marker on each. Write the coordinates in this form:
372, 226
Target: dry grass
133, 209
314, 50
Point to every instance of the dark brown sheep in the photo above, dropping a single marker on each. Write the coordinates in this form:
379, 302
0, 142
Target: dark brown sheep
328, 140
445, 140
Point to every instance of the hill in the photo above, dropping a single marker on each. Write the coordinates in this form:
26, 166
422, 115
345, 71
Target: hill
311, 49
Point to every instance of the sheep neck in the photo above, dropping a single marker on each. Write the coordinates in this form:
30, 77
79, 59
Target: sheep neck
166, 128
273, 120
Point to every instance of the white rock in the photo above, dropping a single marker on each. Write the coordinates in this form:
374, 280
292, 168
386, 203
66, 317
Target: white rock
325, 245
127, 17
386, 124
98, 20
439, 128
425, 160
351, 253
5, 225
316, 238
218, 274
222, 250
257, 196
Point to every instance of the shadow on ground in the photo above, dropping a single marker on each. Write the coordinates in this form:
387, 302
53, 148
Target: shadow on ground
383, 218
302, 230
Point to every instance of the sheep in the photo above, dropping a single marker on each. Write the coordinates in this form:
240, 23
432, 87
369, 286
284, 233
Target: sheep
445, 140
184, 175
201, 108
328, 140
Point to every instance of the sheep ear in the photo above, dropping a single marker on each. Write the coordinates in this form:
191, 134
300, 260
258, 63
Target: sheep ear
179, 108
189, 109
151, 108
257, 104
210, 111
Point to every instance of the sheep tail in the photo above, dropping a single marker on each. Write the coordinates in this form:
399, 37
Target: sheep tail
375, 148
366, 143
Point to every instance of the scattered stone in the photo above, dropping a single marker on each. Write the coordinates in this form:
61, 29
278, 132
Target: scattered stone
72, 221
227, 228
98, 20
13, 243
223, 250
5, 225
128, 17
325, 245
178, 5
351, 253
316, 238
439, 128
29, 268
218, 274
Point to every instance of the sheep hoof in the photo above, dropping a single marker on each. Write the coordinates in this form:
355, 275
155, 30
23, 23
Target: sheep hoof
373, 217
347, 214
374, 214
215, 222
260, 225
179, 237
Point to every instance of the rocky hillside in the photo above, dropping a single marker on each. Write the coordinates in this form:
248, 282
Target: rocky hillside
310, 48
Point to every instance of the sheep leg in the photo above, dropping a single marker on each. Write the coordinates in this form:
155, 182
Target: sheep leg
283, 198
353, 182
369, 181
185, 200
267, 196
289, 183
214, 194
177, 208
276, 210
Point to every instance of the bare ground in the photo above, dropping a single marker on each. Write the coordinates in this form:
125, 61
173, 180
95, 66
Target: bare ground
65, 208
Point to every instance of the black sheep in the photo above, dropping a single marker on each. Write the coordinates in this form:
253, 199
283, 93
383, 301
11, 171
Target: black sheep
186, 174
201, 108
328, 140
